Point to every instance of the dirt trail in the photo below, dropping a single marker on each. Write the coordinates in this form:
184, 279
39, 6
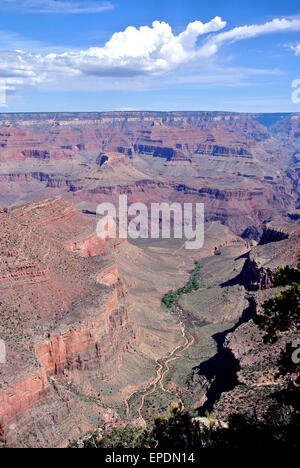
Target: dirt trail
163, 369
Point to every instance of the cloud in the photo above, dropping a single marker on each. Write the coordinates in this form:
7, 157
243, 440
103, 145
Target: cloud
246, 32
135, 54
57, 6
145, 51
295, 48
214, 43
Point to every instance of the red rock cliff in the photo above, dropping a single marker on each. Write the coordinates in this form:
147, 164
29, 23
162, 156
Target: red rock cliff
64, 320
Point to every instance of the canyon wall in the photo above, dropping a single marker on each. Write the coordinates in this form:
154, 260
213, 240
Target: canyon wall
242, 376
242, 166
64, 309
63, 315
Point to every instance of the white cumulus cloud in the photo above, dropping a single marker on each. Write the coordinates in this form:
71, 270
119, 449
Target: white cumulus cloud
134, 51
145, 51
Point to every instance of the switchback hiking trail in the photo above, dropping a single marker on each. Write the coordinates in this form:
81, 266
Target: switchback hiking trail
162, 369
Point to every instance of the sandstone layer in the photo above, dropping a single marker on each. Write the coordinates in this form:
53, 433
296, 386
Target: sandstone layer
243, 167
63, 315
68, 300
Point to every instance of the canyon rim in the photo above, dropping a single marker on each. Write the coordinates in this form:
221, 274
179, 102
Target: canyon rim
149, 256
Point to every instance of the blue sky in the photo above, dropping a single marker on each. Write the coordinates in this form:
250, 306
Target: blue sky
94, 55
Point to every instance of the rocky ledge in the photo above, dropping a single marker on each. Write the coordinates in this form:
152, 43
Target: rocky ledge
64, 319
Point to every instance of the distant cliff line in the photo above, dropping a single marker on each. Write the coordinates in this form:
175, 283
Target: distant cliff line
125, 114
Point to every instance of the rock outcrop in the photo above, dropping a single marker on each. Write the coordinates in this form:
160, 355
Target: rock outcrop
242, 166
63, 316
64, 309
241, 377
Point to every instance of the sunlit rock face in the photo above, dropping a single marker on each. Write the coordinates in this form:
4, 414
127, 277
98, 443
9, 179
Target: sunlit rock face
243, 167
74, 309
63, 316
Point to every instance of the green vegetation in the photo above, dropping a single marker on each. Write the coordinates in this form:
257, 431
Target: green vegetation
180, 432
169, 299
117, 437
287, 275
282, 312
193, 284
280, 426
197, 266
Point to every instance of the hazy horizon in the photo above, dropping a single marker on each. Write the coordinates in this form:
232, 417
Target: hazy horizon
146, 111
